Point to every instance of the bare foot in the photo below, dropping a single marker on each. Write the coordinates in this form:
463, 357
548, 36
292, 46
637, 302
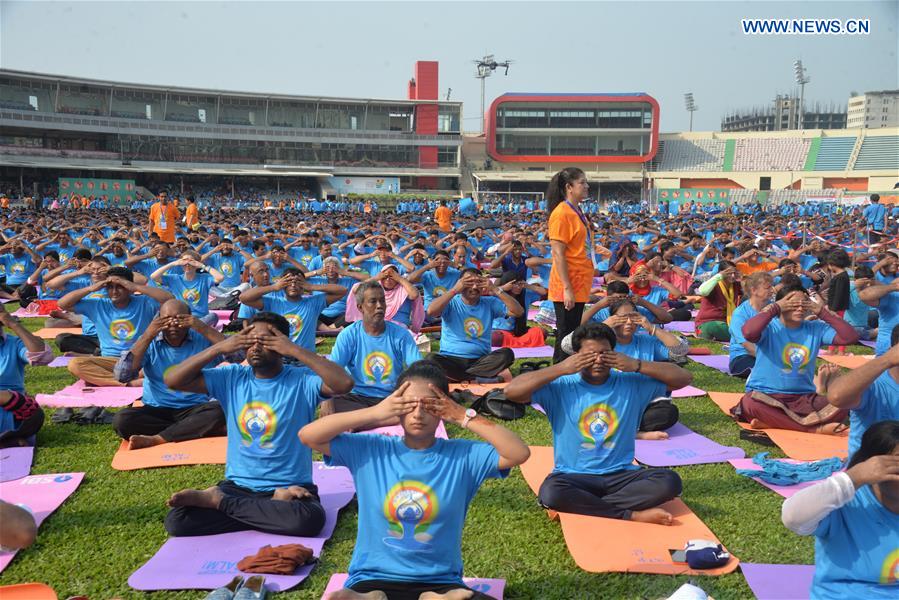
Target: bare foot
135, 383
457, 594
211, 497
652, 435
825, 375
833, 429
136, 442
346, 594
657, 516
758, 424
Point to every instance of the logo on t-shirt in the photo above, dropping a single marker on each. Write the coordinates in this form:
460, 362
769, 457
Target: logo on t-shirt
17, 268
377, 366
257, 423
597, 424
296, 323
795, 358
227, 268
410, 507
473, 327
889, 574
439, 291
121, 329
190, 295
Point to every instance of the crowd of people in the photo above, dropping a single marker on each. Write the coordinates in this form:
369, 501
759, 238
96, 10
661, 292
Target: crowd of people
142, 285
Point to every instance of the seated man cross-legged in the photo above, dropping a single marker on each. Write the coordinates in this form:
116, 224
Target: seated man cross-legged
595, 400
167, 415
268, 471
414, 491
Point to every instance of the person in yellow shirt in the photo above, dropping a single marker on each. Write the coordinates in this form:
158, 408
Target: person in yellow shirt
164, 219
192, 214
444, 217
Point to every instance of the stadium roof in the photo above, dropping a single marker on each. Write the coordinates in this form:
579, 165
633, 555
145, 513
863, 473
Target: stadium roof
576, 94
65, 79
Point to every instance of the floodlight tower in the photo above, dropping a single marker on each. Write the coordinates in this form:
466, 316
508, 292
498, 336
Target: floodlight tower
486, 66
691, 107
801, 79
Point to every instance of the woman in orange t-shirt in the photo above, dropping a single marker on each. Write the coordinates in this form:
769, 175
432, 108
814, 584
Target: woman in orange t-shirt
571, 241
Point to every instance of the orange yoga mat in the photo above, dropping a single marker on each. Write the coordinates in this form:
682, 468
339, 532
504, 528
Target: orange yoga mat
850, 361
600, 545
27, 591
50, 333
205, 451
477, 389
797, 445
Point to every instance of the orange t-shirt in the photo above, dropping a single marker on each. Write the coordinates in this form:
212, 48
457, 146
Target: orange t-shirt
746, 268
164, 222
444, 218
192, 215
566, 226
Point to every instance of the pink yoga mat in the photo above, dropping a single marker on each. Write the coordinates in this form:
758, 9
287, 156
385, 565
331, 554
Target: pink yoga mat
78, 395
784, 490
683, 447
532, 313
779, 582
538, 352
23, 313
686, 392
397, 431
685, 327
15, 463
210, 561
719, 362
492, 587
41, 494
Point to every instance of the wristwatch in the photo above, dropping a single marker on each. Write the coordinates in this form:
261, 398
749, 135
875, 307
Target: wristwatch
470, 414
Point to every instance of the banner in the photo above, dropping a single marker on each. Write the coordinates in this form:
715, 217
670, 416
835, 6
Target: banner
365, 185
115, 191
700, 195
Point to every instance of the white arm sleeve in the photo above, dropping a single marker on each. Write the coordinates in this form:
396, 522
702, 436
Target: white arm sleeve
804, 511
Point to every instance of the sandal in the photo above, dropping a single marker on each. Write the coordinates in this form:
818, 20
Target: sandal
252, 589
226, 592
62, 415
759, 437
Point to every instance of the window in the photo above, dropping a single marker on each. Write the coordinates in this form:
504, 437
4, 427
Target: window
202, 114
149, 112
32, 100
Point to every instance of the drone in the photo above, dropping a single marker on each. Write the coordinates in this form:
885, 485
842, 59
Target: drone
488, 64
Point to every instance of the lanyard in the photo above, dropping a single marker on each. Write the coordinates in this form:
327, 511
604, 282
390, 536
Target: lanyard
589, 236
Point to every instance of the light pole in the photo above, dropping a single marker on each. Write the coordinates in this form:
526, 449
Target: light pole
691, 106
486, 67
801, 79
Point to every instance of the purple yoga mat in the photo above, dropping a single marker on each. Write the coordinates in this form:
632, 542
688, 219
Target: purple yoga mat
492, 587
40, 494
778, 582
719, 362
60, 361
15, 463
685, 327
538, 408
538, 352
532, 313
868, 343
78, 395
210, 561
686, 392
683, 447
784, 490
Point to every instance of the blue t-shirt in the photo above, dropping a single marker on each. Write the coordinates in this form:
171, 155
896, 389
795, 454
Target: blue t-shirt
857, 313
158, 359
435, 286
17, 268
338, 307
302, 314
888, 308
303, 256
13, 358
595, 426
875, 216
264, 418
195, 294
374, 362
118, 328
467, 328
230, 266
412, 504
785, 358
880, 402
742, 313
857, 551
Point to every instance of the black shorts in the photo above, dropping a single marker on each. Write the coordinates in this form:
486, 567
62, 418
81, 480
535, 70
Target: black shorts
411, 590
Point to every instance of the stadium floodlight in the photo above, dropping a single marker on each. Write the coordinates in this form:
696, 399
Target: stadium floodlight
691, 107
486, 66
801, 79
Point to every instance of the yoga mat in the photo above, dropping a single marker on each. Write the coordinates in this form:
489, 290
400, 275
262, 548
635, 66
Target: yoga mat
41, 494
532, 314
868, 343
50, 333
538, 408
684, 327
223, 315
15, 463
60, 361
718, 362
397, 431
6, 300
851, 361
779, 582
204, 451
538, 352
210, 561
477, 389
687, 391
24, 313
797, 445
27, 591
784, 490
600, 545
79, 395
683, 447
492, 587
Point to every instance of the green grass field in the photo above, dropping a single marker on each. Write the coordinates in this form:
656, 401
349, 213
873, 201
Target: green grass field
113, 523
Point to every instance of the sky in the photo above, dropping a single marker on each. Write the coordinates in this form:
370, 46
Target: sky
368, 49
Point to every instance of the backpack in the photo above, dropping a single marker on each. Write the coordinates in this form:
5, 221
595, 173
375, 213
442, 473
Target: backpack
229, 302
494, 404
